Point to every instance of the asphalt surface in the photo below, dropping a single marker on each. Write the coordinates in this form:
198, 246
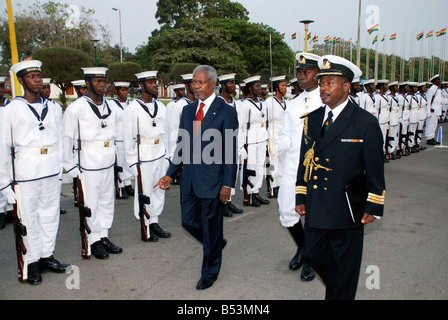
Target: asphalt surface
405, 254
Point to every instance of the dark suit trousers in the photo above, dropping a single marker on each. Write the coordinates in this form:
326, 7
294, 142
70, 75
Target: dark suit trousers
203, 219
336, 256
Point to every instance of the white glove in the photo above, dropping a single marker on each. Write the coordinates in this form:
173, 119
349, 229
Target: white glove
74, 173
243, 153
10, 195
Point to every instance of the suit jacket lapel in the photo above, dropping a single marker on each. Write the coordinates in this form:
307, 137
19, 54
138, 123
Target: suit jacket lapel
339, 125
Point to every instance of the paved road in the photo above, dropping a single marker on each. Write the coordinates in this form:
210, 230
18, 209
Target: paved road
407, 249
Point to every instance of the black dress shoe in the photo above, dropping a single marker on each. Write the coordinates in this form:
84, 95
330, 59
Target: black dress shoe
431, 142
297, 260
257, 197
205, 283
129, 190
98, 250
224, 243
308, 273
62, 211
254, 202
53, 265
159, 231
34, 274
232, 208
110, 247
152, 236
226, 212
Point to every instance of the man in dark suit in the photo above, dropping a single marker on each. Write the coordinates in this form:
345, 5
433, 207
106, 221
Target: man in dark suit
335, 152
207, 153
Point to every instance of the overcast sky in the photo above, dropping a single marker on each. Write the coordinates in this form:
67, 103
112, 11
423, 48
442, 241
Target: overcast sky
331, 18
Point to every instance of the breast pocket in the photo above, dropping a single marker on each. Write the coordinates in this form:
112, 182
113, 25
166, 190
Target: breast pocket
352, 143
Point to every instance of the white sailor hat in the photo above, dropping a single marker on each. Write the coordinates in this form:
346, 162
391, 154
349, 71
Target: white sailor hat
227, 77
278, 79
79, 83
264, 86
293, 80
187, 78
356, 80
434, 78
331, 65
413, 84
403, 83
393, 83
2, 79
252, 80
95, 72
122, 85
421, 84
382, 81
367, 81
306, 60
46, 81
178, 86
147, 75
27, 66
242, 85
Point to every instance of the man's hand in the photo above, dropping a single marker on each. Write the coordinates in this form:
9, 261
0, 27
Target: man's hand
224, 194
164, 183
367, 218
300, 209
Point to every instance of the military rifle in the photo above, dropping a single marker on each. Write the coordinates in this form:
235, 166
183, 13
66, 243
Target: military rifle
246, 172
143, 199
19, 228
117, 170
84, 212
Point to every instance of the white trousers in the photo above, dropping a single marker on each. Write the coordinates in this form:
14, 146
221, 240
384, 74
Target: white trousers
256, 161
99, 197
412, 128
40, 203
151, 173
431, 125
126, 176
287, 201
394, 133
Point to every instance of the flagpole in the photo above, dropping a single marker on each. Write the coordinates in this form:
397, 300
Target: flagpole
358, 45
393, 65
15, 85
367, 58
376, 59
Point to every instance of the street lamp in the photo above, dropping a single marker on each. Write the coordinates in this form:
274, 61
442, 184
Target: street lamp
95, 44
306, 23
121, 41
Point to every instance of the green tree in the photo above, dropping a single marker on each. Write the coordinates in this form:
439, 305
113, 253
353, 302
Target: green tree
63, 65
45, 25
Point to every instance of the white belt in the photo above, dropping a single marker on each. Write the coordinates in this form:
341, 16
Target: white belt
36, 150
257, 125
97, 144
150, 142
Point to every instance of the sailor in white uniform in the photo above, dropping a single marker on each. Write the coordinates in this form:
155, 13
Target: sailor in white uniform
147, 124
119, 105
228, 92
394, 123
32, 126
414, 116
382, 104
252, 112
290, 143
91, 122
421, 97
367, 98
179, 90
5, 207
434, 109
276, 106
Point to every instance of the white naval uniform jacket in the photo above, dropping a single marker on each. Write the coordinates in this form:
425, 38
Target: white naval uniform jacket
151, 124
290, 138
367, 102
37, 142
435, 100
395, 111
98, 133
383, 106
414, 106
258, 116
422, 106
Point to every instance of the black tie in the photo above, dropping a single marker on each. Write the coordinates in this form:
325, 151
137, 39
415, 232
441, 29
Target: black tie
327, 123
